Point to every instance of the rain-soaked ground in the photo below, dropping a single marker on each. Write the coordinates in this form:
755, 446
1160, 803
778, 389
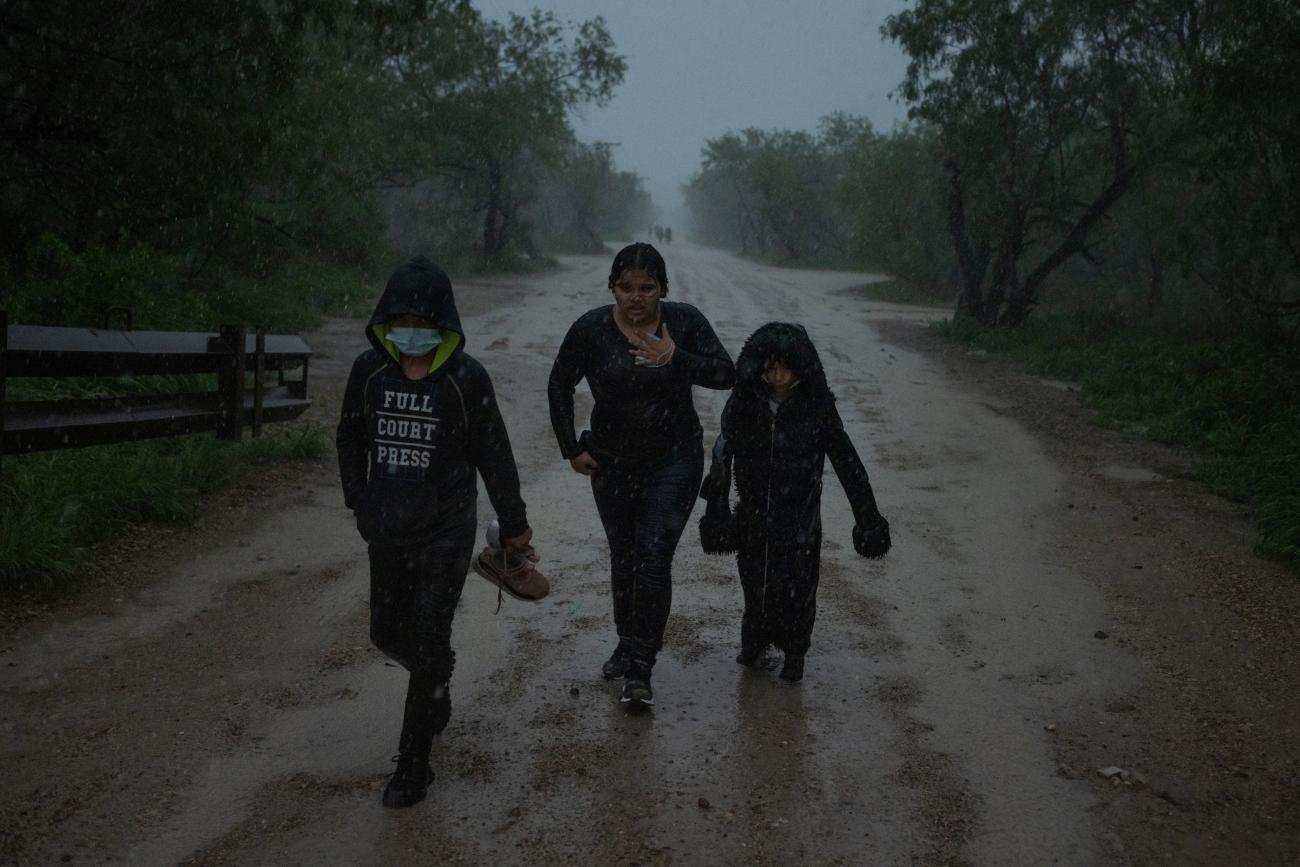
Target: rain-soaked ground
223, 704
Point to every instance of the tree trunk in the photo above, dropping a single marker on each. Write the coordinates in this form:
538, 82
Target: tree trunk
1075, 240
1156, 281
493, 236
1020, 303
991, 310
972, 267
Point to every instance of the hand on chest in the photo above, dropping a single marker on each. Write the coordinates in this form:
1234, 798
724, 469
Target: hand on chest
621, 361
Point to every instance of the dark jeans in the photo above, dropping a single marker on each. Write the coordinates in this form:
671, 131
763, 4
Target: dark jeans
413, 596
644, 515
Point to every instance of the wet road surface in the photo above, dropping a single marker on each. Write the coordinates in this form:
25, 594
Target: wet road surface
232, 711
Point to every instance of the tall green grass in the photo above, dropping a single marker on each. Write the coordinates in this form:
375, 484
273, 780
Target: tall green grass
54, 506
1234, 399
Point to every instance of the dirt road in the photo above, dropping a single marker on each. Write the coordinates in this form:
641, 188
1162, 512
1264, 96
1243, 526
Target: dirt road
220, 703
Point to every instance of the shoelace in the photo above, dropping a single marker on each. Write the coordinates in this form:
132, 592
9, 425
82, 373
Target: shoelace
524, 564
505, 563
397, 760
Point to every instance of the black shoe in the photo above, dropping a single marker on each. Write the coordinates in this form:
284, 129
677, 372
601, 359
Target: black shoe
409, 783
749, 656
636, 687
792, 669
637, 692
616, 666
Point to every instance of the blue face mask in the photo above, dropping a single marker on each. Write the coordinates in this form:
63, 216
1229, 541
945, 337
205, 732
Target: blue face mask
415, 341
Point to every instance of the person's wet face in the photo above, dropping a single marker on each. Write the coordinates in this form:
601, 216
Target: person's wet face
637, 295
780, 378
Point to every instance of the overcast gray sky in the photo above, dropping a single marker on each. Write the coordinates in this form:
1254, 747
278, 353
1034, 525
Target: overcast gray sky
699, 69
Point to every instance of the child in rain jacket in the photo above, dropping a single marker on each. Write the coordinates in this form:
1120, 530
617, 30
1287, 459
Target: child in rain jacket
778, 426
419, 422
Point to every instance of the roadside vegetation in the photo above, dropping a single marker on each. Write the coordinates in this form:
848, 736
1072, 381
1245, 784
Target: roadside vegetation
266, 163
1234, 401
56, 505
1107, 192
901, 292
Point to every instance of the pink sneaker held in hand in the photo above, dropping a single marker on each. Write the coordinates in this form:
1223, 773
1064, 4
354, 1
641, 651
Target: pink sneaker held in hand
512, 574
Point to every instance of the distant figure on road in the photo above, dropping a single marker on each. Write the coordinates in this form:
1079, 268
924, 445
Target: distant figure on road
778, 426
644, 452
419, 419
668, 234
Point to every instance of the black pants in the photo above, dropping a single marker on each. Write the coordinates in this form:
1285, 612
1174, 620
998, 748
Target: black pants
413, 596
780, 587
644, 515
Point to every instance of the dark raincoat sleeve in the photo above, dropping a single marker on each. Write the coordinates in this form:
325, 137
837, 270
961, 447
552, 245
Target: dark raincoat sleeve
848, 466
351, 436
716, 489
700, 358
490, 452
717, 528
567, 371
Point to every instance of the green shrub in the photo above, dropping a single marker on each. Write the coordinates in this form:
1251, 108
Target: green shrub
56, 285
292, 296
1233, 399
284, 293
55, 505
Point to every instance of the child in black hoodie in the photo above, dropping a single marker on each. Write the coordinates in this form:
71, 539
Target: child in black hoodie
778, 426
419, 419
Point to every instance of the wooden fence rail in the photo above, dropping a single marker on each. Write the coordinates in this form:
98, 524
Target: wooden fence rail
40, 351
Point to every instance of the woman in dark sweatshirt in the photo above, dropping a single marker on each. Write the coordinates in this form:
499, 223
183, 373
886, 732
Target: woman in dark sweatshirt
778, 427
419, 420
644, 453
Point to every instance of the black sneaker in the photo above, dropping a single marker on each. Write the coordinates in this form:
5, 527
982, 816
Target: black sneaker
636, 686
749, 656
637, 692
792, 669
616, 666
409, 783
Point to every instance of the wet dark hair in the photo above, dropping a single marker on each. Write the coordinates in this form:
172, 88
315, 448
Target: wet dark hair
777, 358
640, 257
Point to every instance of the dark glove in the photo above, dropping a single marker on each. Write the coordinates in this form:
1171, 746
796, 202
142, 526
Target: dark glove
872, 541
709, 488
718, 528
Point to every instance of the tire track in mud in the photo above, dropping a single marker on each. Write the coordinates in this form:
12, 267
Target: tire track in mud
942, 810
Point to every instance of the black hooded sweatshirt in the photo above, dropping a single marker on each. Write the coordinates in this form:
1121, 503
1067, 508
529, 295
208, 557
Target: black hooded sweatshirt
408, 449
779, 449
